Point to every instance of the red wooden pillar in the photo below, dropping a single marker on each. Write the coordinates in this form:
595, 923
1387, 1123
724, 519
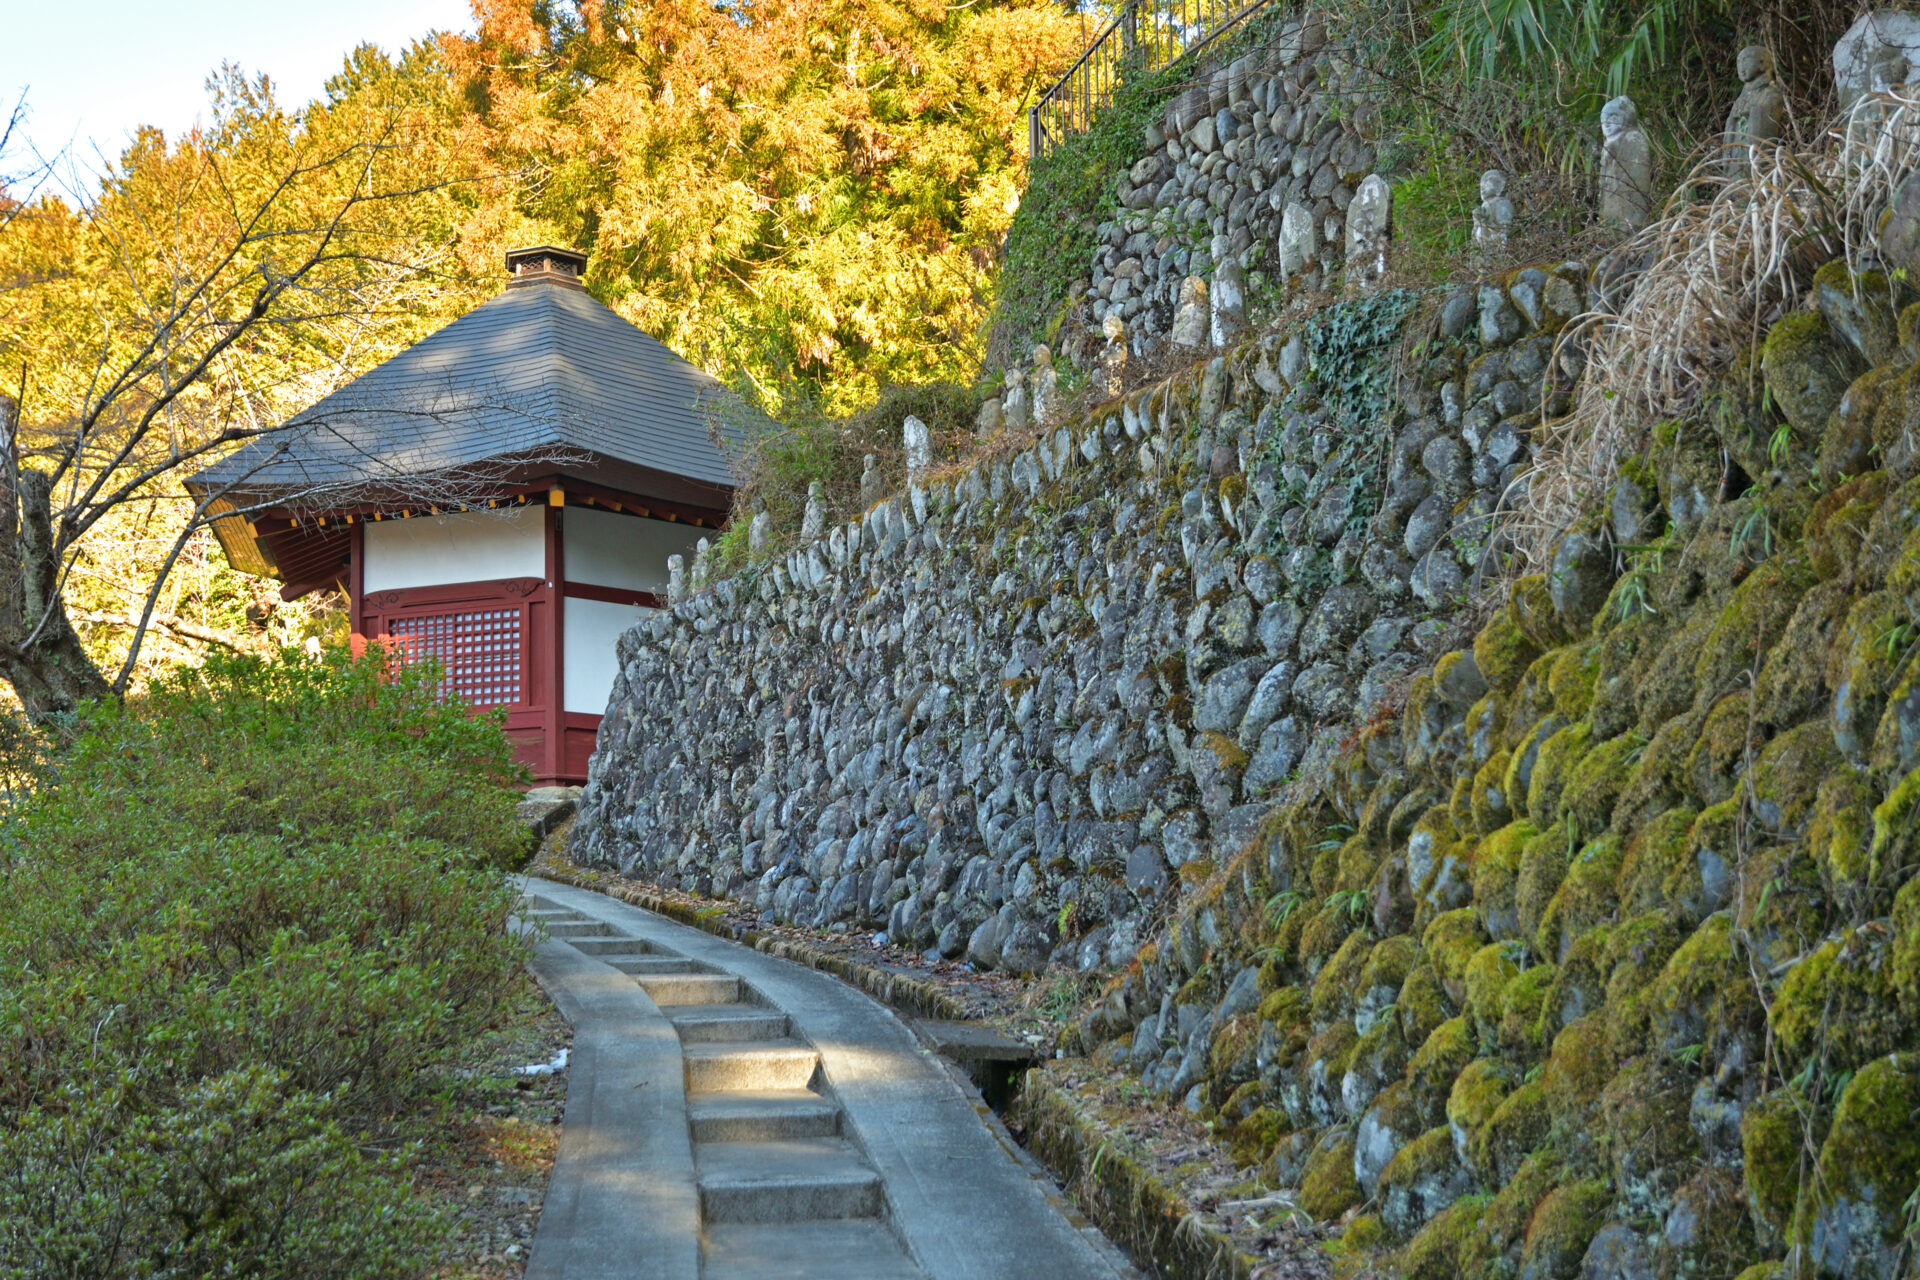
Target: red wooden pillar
356, 586
554, 749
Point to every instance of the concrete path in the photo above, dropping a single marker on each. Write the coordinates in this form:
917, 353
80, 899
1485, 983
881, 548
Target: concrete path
733, 1115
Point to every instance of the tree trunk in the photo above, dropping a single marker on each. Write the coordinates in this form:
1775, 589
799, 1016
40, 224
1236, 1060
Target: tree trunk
40, 653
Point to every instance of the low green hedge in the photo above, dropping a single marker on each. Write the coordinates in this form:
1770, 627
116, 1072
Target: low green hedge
241, 923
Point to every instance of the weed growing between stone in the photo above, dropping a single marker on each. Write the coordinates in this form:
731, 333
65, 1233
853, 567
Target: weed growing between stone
242, 923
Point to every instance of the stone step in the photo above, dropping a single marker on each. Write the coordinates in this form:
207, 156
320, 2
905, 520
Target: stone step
848, 1249
777, 1064
657, 965
567, 930
668, 989
715, 1023
613, 946
762, 1115
795, 1180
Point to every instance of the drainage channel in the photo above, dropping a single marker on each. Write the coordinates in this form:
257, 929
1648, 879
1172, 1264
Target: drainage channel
788, 1184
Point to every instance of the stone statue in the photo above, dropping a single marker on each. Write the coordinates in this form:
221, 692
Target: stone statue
702, 553
757, 533
1228, 298
676, 579
991, 418
1299, 239
1494, 218
919, 444
870, 487
813, 522
1113, 360
1863, 58
1626, 167
1192, 320
1043, 385
1014, 405
1369, 218
1758, 114
1867, 136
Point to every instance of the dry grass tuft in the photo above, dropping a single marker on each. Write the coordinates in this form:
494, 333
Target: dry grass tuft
1728, 256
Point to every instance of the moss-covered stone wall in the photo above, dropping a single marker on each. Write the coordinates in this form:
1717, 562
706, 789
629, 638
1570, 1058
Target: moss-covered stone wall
1602, 959
1017, 712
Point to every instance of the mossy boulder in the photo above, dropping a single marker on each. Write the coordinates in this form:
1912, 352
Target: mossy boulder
1839, 1003
1625, 651
1530, 604
1792, 684
1435, 1068
1525, 757
1663, 868
1598, 781
1543, 866
1553, 770
1496, 877
1707, 1235
1572, 678
1637, 951
1379, 1059
1489, 808
1328, 1187
1562, 1227
1580, 980
1840, 831
1851, 1218
1516, 1128
1577, 1071
1494, 1247
1895, 850
1647, 1140
1751, 622
1725, 741
1394, 1120
1808, 368
1788, 773
1423, 1004
1666, 685
1654, 784
1580, 576
1424, 1178
1450, 943
1503, 651
1527, 1021
1863, 669
1687, 463
1862, 309
1838, 523
1585, 898
1435, 1252
1705, 994
1487, 975
1779, 1133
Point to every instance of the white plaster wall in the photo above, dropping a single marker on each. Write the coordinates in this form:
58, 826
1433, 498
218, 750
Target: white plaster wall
609, 550
591, 627
470, 546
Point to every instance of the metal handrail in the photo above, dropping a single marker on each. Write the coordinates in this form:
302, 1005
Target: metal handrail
1160, 31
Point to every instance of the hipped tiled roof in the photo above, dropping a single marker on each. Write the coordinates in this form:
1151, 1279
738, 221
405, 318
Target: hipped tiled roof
543, 367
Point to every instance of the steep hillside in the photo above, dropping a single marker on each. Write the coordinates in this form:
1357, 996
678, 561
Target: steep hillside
1542, 923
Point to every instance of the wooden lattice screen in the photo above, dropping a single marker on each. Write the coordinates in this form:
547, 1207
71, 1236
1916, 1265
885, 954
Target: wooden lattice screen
480, 650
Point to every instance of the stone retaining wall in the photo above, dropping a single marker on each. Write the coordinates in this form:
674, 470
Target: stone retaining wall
1012, 712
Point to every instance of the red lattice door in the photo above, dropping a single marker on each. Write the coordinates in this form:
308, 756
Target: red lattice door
482, 651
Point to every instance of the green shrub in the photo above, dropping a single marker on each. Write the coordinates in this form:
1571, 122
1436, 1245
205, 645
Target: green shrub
241, 923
